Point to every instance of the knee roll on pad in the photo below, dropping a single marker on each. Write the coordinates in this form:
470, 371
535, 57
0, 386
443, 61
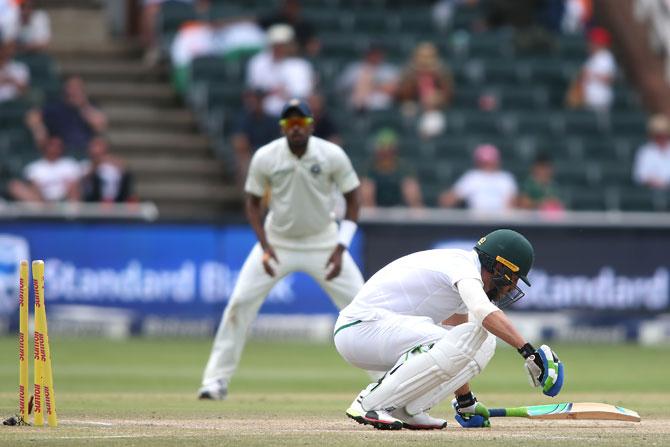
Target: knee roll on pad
446, 389
450, 360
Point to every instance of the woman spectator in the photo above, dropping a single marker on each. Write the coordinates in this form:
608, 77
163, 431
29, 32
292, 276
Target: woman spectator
425, 88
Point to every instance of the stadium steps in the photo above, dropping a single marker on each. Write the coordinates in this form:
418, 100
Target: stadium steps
106, 52
118, 69
121, 92
173, 163
185, 167
176, 144
149, 118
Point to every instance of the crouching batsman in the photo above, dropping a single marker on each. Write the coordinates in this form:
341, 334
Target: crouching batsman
411, 321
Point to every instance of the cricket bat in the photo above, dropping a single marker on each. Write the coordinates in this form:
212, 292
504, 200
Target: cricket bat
570, 410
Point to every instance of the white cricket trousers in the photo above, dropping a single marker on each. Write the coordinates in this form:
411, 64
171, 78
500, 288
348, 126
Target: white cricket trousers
253, 286
378, 345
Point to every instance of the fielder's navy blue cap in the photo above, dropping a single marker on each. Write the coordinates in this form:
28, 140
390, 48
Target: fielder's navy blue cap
297, 105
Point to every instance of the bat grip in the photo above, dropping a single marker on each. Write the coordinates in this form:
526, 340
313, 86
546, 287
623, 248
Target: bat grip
497, 412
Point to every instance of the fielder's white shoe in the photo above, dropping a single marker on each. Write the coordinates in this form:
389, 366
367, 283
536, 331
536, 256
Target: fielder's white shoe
421, 421
379, 419
214, 391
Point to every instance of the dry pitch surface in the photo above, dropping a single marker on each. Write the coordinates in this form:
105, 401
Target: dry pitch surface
227, 423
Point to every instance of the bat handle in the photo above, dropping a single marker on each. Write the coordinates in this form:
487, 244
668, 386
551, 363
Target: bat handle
497, 412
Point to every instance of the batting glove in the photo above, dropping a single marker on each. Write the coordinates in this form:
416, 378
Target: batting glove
544, 368
470, 413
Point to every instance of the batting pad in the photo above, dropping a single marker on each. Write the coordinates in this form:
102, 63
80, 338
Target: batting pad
450, 362
446, 389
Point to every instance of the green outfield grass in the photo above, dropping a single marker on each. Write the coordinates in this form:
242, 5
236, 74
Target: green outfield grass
296, 394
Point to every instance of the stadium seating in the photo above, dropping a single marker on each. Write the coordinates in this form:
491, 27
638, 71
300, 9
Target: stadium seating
17, 147
592, 154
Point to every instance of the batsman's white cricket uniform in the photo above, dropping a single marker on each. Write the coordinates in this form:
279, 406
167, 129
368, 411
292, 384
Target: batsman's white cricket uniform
401, 307
302, 230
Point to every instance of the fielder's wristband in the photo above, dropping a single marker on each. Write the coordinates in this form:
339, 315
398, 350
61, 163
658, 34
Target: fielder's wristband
346, 232
526, 350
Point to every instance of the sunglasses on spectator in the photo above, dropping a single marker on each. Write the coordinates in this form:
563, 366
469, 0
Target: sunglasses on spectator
303, 121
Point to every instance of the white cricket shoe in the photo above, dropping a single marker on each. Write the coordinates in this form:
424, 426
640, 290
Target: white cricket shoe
214, 391
421, 421
379, 419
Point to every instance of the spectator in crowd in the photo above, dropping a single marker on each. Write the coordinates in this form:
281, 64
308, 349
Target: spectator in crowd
52, 178
228, 38
14, 75
9, 20
426, 87
577, 15
254, 129
105, 177
389, 181
279, 72
370, 84
539, 191
486, 187
72, 118
324, 126
149, 22
652, 161
593, 86
34, 33
290, 13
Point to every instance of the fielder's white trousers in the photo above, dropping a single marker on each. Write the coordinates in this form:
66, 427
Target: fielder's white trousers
251, 289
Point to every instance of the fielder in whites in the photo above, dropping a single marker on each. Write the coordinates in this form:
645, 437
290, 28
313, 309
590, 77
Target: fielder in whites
301, 172
429, 320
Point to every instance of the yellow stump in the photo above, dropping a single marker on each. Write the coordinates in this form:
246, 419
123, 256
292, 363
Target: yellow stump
42, 336
39, 355
23, 340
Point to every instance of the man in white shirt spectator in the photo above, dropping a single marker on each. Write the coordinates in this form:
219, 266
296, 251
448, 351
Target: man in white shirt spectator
278, 72
34, 33
652, 162
370, 84
598, 72
52, 178
14, 76
485, 188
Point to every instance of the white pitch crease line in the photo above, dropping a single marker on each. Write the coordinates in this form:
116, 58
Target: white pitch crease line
108, 437
74, 421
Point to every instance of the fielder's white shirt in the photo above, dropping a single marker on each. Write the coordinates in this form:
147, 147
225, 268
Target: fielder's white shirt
485, 190
652, 163
301, 204
421, 284
53, 178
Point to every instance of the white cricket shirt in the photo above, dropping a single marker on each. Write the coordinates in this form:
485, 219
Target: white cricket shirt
301, 204
421, 284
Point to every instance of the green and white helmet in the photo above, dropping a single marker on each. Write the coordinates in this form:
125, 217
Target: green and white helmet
505, 254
